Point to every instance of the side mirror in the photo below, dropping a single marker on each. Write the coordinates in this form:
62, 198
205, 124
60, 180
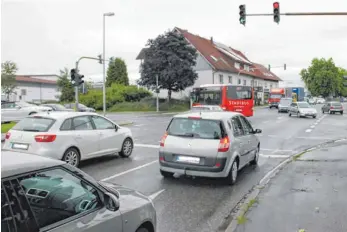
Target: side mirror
257, 131
17, 107
116, 128
111, 202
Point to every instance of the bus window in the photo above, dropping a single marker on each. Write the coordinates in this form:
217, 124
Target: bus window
239, 92
207, 97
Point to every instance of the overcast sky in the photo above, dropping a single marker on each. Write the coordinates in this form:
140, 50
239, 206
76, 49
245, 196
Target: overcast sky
43, 36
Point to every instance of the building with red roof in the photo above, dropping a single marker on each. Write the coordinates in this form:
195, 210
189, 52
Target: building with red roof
218, 63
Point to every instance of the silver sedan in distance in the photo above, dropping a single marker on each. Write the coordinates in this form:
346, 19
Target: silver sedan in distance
208, 144
42, 194
69, 136
206, 108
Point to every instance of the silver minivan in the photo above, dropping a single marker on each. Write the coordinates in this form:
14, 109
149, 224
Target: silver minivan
42, 194
208, 144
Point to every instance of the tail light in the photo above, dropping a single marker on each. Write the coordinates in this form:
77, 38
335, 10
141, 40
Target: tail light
45, 138
162, 141
8, 135
224, 144
331, 107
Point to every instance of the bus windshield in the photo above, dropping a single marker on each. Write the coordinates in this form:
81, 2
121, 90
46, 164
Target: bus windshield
276, 95
207, 97
239, 92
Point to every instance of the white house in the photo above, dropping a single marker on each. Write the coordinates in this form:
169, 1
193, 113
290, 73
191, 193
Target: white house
220, 64
35, 88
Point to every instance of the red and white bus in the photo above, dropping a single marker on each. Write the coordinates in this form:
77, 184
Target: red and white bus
230, 97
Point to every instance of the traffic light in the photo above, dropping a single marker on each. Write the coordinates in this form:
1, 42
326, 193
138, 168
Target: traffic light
276, 6
80, 80
285, 67
72, 74
100, 59
243, 14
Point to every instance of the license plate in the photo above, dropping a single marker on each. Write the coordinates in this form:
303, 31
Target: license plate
20, 146
188, 159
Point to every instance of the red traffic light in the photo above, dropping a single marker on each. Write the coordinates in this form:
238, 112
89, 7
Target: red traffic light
276, 4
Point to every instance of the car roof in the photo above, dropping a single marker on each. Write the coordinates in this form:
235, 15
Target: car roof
62, 114
216, 115
15, 163
335, 102
286, 98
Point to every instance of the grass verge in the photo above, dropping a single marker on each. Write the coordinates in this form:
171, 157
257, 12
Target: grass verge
242, 218
6, 126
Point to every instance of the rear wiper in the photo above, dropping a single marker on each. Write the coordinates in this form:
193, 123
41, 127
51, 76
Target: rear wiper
33, 130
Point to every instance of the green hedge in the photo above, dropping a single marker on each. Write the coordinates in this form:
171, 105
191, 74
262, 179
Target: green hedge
114, 95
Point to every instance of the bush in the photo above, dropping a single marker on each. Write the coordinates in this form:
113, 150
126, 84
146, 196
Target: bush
149, 105
114, 95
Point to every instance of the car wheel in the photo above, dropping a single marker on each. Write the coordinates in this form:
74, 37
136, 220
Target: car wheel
329, 112
322, 111
290, 114
232, 177
341, 112
127, 148
256, 157
314, 116
142, 229
72, 157
31, 113
166, 174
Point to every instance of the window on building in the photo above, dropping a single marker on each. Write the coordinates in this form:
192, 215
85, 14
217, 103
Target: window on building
239, 81
246, 67
230, 78
221, 78
23, 92
270, 86
244, 82
255, 83
237, 65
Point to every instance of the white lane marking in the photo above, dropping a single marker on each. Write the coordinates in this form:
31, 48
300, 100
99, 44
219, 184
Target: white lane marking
274, 156
146, 145
265, 149
138, 125
308, 130
156, 194
273, 136
130, 170
340, 140
313, 126
315, 138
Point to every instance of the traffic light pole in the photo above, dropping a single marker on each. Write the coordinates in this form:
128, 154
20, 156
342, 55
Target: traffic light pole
304, 14
76, 89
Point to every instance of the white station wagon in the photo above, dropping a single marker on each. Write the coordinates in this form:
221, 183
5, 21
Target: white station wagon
69, 136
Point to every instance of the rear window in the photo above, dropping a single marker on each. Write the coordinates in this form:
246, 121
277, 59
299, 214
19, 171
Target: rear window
336, 104
197, 128
36, 124
285, 101
200, 108
239, 92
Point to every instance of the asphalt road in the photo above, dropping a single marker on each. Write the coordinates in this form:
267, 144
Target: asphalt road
190, 205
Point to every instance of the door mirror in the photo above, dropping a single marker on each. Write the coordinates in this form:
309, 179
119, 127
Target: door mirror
257, 131
111, 202
116, 128
17, 107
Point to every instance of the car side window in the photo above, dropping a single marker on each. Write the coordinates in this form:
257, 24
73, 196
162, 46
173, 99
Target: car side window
67, 125
246, 125
237, 126
55, 195
82, 123
16, 214
102, 123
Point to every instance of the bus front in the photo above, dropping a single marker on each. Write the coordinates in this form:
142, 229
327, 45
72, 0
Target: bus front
240, 99
211, 95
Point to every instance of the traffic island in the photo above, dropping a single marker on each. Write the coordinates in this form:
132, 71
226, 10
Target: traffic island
308, 194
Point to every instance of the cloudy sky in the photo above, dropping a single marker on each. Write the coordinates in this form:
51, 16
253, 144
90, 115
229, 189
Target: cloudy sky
43, 36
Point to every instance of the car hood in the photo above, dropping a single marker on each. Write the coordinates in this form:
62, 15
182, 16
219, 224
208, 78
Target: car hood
129, 199
39, 108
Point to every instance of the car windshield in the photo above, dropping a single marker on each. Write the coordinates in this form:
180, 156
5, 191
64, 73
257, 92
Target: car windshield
336, 104
57, 106
35, 124
303, 105
197, 128
286, 101
200, 108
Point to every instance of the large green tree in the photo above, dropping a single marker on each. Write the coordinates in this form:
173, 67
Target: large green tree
117, 72
322, 77
65, 86
343, 73
8, 77
172, 58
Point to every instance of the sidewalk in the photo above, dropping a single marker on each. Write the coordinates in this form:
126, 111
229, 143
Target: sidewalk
308, 195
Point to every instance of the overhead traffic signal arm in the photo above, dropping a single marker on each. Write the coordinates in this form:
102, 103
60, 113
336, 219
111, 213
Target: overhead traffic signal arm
276, 8
242, 14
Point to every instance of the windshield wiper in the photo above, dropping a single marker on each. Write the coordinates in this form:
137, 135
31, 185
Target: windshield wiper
33, 130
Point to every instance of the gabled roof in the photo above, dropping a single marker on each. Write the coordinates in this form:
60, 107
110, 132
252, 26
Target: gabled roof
223, 58
34, 80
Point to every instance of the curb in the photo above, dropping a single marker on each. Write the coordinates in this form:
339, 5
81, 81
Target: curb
239, 209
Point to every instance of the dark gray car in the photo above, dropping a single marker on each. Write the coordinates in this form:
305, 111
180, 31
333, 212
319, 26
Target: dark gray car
332, 108
42, 194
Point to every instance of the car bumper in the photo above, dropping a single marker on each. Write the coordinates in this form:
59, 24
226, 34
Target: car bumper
308, 114
283, 109
336, 110
195, 169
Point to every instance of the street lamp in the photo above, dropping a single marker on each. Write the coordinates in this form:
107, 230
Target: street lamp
104, 65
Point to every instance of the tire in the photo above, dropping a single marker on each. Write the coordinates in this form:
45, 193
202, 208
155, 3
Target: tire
166, 174
72, 157
322, 111
289, 114
142, 230
31, 113
256, 157
127, 148
341, 112
314, 116
232, 177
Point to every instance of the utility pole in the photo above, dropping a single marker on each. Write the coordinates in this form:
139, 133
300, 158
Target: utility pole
157, 90
76, 89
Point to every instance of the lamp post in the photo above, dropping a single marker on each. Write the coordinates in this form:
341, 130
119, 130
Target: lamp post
104, 64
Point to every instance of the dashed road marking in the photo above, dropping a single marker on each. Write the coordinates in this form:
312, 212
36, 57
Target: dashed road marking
308, 130
156, 194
